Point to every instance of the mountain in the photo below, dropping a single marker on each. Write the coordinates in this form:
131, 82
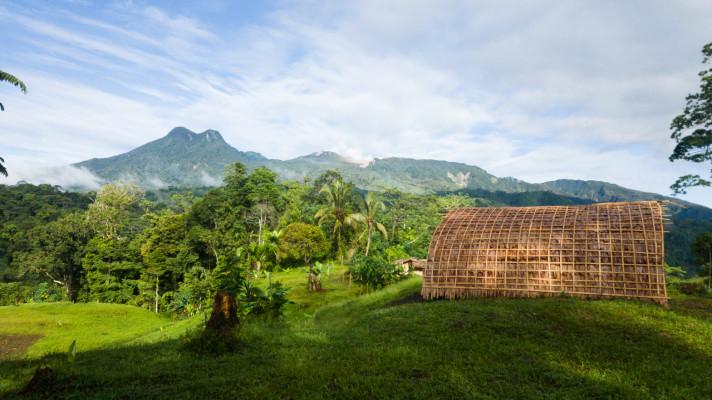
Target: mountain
181, 158
184, 158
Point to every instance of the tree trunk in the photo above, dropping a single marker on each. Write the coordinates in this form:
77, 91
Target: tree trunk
368, 238
217, 257
70, 289
340, 246
260, 223
156, 294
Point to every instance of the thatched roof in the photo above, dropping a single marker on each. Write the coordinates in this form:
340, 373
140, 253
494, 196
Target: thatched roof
600, 250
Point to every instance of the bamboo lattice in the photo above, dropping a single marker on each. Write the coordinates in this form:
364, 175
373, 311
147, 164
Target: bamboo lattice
593, 251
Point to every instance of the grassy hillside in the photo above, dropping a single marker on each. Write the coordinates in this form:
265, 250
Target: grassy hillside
390, 344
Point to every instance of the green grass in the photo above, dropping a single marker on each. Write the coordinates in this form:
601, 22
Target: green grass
91, 325
387, 344
334, 283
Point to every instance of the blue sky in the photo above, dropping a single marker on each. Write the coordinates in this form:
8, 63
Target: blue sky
539, 91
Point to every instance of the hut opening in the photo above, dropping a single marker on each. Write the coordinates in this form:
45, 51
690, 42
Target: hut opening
606, 250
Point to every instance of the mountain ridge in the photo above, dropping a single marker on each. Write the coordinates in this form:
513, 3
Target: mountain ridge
184, 158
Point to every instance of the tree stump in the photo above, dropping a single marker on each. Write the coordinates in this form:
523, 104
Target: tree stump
223, 319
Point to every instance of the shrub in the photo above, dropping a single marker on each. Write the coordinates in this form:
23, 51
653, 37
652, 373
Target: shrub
692, 287
255, 301
45, 292
374, 272
276, 299
16, 293
301, 243
12, 293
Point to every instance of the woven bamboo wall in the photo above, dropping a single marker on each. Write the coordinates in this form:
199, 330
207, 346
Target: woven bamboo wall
592, 251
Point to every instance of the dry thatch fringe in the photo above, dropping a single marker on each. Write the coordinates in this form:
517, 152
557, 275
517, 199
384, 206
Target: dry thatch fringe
610, 250
464, 293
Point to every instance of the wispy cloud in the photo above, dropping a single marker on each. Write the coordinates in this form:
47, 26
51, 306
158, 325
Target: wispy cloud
542, 91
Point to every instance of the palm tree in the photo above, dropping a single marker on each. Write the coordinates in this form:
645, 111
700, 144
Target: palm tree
371, 207
336, 211
271, 245
5, 77
12, 79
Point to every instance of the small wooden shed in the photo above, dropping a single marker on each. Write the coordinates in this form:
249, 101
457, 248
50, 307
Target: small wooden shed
607, 250
415, 265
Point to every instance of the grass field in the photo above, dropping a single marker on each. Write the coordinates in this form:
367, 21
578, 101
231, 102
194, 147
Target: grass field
338, 344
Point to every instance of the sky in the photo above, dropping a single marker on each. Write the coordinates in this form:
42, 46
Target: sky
535, 90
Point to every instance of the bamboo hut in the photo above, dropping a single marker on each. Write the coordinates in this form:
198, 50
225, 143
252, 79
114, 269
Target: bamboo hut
607, 250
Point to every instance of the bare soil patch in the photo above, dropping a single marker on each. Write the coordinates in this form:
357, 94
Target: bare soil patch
13, 345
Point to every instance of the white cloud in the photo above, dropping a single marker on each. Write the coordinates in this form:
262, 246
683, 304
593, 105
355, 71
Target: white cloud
65, 176
537, 91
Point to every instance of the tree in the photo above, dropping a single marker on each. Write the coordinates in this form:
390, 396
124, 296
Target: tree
57, 252
13, 80
5, 77
266, 199
217, 221
336, 211
256, 254
702, 250
372, 206
305, 242
297, 208
109, 213
302, 242
112, 268
692, 130
166, 253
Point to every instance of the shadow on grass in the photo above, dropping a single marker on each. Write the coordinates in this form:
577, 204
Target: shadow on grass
487, 348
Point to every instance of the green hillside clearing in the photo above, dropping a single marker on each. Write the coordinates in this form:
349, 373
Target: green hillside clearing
386, 344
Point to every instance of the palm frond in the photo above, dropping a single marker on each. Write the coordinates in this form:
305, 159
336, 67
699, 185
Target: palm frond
381, 228
3, 171
362, 235
352, 219
12, 79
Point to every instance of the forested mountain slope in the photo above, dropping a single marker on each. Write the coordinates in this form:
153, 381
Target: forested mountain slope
187, 159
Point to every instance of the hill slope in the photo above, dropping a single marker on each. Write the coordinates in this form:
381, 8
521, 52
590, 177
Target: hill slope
388, 344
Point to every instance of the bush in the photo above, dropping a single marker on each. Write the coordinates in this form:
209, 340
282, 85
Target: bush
301, 243
374, 272
12, 293
16, 293
45, 292
255, 301
690, 287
